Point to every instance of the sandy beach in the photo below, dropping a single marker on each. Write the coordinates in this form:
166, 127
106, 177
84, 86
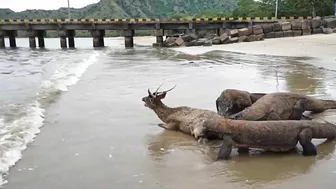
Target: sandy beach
98, 134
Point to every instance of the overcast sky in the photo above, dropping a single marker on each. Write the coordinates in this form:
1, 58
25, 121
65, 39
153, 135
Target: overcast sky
20, 5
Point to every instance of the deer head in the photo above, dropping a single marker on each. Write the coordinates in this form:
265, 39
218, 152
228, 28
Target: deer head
153, 100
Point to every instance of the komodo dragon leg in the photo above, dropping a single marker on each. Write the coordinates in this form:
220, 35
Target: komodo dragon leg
168, 126
305, 138
298, 109
226, 148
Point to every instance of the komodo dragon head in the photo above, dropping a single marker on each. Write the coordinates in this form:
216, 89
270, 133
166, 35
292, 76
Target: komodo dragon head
153, 100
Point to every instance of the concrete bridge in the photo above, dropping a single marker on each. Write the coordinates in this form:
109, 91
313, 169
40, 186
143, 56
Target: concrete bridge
36, 28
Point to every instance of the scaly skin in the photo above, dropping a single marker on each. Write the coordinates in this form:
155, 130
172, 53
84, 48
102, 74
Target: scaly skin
276, 106
274, 136
232, 101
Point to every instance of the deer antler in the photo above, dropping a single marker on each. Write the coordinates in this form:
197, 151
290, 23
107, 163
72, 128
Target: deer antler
158, 88
168, 89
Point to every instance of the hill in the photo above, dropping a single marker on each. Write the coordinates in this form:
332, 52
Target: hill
129, 9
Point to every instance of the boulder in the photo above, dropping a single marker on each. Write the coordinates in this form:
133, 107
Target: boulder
334, 30
233, 39
330, 22
270, 35
191, 43
201, 34
170, 42
316, 23
179, 41
216, 41
243, 39
286, 26
233, 33
277, 27
327, 30
278, 34
189, 37
210, 36
288, 33
260, 37
244, 31
257, 30
251, 38
224, 37
317, 30
207, 43
224, 30
297, 33
305, 25
296, 25
267, 28
306, 32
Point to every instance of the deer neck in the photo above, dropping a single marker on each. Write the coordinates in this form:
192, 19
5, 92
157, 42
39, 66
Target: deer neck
163, 111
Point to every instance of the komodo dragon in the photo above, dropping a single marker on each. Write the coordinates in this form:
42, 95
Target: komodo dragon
274, 136
278, 106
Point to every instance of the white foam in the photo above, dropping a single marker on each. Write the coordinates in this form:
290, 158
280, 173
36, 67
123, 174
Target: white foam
23, 131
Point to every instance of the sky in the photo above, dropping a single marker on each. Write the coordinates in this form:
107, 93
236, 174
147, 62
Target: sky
20, 5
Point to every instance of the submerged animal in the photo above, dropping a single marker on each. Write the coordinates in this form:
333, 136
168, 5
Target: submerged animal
232, 101
274, 136
182, 118
278, 106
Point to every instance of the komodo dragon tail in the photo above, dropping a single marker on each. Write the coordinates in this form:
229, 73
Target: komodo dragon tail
324, 130
319, 105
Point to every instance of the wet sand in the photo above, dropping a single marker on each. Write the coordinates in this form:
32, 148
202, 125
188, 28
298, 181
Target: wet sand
100, 135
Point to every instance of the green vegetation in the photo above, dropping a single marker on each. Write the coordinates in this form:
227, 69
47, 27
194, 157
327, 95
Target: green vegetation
179, 9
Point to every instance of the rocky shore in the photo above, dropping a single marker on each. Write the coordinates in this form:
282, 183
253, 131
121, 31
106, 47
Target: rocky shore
254, 33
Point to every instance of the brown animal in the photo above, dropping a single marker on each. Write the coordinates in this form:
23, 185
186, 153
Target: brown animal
232, 101
186, 119
274, 136
283, 106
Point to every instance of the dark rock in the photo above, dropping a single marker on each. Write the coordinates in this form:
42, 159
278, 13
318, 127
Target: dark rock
233, 39
277, 27
158, 45
216, 41
267, 28
179, 41
243, 39
211, 36
199, 43
330, 22
234, 33
260, 37
244, 31
224, 37
189, 37
252, 38
201, 34
286, 26
223, 31
297, 33
257, 30
288, 33
207, 43
317, 30
316, 23
327, 30
306, 32
278, 34
296, 25
191, 43
270, 35
174, 35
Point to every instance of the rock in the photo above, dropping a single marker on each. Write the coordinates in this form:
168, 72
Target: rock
244, 31
288, 33
270, 35
207, 43
233, 33
306, 32
277, 27
330, 22
170, 42
233, 39
278, 34
223, 31
243, 39
286, 26
199, 43
267, 28
257, 30
176, 35
316, 23
252, 38
327, 30
305, 25
224, 37
216, 41
189, 37
317, 30
179, 41
201, 34
189, 44
260, 37
158, 44
297, 33
211, 36
296, 25
334, 30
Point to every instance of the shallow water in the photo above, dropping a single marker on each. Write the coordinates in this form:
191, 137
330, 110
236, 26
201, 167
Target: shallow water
97, 131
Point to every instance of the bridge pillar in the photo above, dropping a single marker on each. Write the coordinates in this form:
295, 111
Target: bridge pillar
71, 39
12, 34
62, 34
2, 39
98, 38
128, 34
32, 40
40, 37
159, 36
